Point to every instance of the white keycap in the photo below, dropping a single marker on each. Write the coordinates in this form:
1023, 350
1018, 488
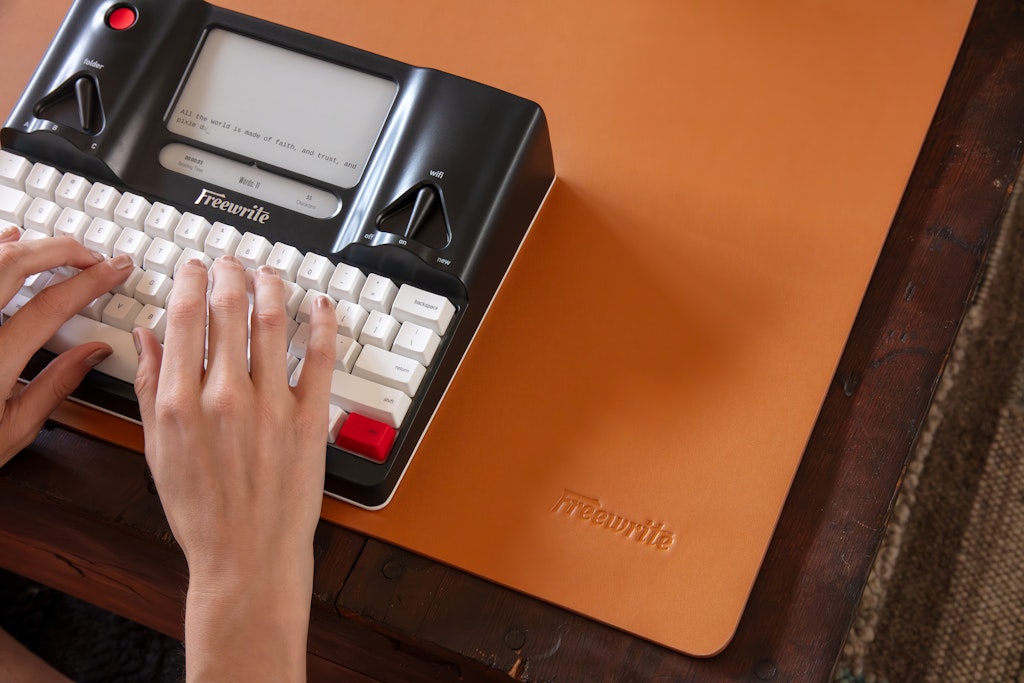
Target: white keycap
71, 191
378, 293
42, 215
389, 369
223, 239
33, 235
346, 349
299, 341
101, 201
190, 254
315, 272
128, 286
72, 223
42, 181
416, 342
285, 259
380, 330
35, 283
351, 317
13, 170
414, 305
13, 204
60, 276
293, 298
191, 232
121, 312
253, 250
154, 319
161, 221
154, 288
335, 418
131, 211
133, 243
346, 352
306, 307
161, 256
357, 395
101, 235
291, 364
123, 363
346, 283
94, 309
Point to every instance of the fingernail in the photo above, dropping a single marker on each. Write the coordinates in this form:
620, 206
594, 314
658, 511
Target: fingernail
97, 256
266, 270
323, 301
96, 357
228, 258
122, 262
9, 234
137, 338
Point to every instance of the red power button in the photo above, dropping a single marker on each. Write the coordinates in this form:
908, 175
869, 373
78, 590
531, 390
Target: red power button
122, 18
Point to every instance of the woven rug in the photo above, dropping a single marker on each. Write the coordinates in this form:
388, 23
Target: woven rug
945, 599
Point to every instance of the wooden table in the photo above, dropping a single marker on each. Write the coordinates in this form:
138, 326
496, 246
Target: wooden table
83, 516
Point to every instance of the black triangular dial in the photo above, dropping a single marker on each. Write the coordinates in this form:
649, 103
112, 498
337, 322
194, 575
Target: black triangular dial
75, 103
419, 215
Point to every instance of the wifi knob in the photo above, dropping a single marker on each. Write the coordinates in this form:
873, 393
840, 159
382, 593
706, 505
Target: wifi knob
419, 215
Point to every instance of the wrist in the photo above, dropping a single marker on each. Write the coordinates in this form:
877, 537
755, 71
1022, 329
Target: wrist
246, 625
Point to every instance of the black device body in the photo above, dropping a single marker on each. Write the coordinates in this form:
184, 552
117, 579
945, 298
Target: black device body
99, 105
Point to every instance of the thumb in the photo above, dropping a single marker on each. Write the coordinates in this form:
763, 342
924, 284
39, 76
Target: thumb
26, 412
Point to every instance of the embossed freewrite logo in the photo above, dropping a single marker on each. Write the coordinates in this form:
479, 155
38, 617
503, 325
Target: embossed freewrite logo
591, 511
219, 201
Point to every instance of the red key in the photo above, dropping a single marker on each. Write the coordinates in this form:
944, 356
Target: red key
366, 436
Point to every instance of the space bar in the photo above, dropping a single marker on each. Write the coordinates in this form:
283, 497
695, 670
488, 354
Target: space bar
122, 364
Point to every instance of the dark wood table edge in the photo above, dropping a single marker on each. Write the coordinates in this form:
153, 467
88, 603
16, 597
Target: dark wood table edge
381, 613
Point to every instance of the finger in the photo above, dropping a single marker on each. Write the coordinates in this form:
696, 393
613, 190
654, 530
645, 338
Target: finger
314, 385
148, 375
27, 411
19, 259
11, 233
229, 320
28, 329
268, 345
185, 337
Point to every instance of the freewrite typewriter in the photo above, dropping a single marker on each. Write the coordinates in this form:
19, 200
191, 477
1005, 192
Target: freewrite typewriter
173, 130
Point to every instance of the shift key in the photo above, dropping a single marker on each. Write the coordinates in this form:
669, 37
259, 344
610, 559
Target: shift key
357, 395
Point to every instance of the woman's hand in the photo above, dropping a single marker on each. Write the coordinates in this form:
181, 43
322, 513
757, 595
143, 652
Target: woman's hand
237, 456
22, 414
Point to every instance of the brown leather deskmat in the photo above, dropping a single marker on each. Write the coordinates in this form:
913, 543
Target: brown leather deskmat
633, 410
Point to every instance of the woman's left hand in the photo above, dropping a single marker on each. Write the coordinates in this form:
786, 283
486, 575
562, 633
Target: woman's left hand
22, 414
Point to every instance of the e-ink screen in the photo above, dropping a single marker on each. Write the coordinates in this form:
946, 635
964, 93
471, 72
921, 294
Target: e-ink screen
282, 108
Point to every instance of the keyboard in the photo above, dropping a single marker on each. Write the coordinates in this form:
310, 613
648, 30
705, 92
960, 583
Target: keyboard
391, 333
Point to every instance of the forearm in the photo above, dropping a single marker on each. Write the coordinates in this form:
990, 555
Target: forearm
247, 630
